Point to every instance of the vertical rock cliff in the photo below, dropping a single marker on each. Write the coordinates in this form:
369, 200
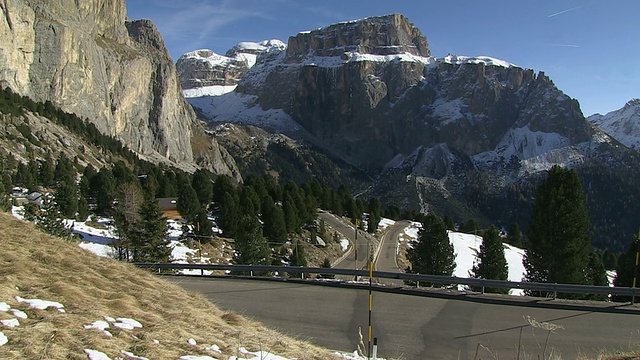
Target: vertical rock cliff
89, 59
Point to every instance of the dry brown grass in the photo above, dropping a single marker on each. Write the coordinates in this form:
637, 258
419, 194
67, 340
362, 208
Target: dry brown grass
36, 265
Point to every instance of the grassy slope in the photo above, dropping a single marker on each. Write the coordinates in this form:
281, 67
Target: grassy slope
36, 265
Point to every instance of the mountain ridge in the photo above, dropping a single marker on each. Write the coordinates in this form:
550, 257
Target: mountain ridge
464, 136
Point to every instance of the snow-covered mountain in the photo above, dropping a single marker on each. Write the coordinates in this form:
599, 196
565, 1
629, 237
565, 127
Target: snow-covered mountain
205, 73
466, 136
623, 124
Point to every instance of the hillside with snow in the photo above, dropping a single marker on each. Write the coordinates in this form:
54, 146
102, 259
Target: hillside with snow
622, 124
467, 246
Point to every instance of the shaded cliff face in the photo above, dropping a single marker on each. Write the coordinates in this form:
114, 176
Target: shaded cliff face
371, 93
88, 59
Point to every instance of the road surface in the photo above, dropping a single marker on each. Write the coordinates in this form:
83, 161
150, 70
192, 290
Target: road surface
412, 327
347, 230
387, 257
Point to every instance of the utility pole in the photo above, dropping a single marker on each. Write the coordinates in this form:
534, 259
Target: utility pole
370, 304
356, 250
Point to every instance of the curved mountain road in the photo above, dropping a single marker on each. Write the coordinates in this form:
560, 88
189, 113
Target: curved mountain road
415, 327
388, 252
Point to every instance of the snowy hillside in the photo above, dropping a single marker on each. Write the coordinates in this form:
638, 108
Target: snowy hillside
466, 248
623, 124
205, 73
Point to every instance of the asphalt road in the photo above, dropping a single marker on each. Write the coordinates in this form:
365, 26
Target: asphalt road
412, 327
386, 259
347, 230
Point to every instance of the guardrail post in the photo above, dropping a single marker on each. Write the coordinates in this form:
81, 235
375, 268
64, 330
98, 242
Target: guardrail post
555, 291
251, 273
633, 296
302, 275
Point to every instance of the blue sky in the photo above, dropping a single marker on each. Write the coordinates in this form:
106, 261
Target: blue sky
590, 49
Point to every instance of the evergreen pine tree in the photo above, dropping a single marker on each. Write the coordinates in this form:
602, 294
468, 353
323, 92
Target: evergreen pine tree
203, 187
610, 260
470, 227
203, 226
250, 246
274, 223
627, 269
152, 244
290, 213
103, 189
49, 220
66, 196
188, 203
449, 223
558, 250
126, 219
374, 209
47, 172
298, 257
229, 214
326, 264
515, 237
433, 253
491, 261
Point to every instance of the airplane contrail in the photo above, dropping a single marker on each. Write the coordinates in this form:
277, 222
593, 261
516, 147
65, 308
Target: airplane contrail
566, 45
565, 11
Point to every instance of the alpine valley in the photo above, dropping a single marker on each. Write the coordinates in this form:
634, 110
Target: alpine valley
360, 103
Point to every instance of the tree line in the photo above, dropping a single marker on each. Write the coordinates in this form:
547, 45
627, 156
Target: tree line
558, 243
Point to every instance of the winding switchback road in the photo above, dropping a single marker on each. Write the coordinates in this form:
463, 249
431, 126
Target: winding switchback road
388, 252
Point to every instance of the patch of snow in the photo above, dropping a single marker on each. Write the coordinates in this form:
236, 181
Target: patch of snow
4, 307
385, 223
96, 355
19, 313
132, 356
523, 144
448, 111
41, 304
467, 246
213, 90
241, 108
10, 322
126, 324
3, 338
99, 324
486, 60
196, 357
214, 348
98, 249
344, 244
192, 342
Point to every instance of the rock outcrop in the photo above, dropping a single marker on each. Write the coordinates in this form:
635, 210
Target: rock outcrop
622, 124
369, 91
203, 68
383, 35
88, 59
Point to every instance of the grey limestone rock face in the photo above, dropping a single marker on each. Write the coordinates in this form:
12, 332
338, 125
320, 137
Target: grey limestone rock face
202, 68
383, 35
88, 59
370, 109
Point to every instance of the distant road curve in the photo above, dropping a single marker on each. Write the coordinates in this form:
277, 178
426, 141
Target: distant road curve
387, 259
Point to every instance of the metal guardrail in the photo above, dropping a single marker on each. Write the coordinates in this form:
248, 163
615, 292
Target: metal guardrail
417, 278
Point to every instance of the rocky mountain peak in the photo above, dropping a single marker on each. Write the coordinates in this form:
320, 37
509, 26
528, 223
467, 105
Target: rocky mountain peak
633, 102
622, 124
204, 68
381, 35
145, 32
